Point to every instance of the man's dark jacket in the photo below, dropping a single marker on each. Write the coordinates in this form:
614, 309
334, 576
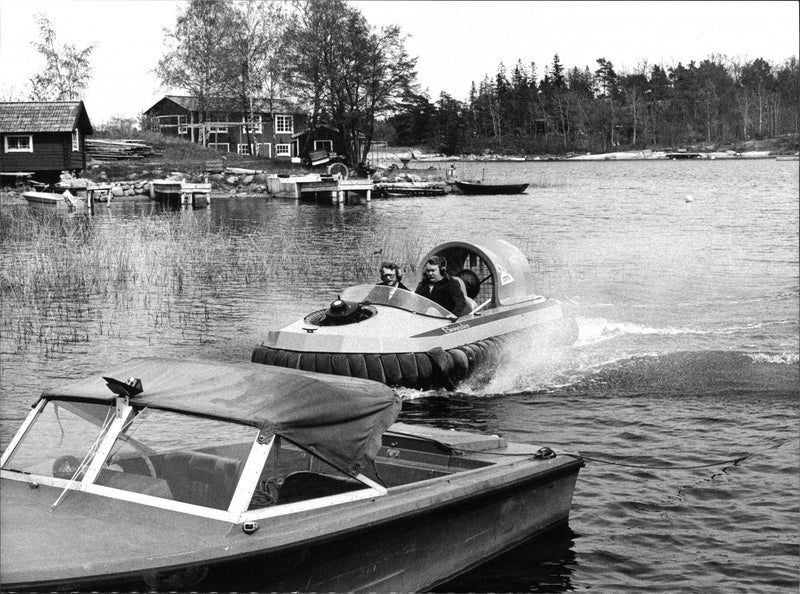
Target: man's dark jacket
447, 293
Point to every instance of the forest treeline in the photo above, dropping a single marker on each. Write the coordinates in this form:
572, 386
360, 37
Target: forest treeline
714, 103
328, 61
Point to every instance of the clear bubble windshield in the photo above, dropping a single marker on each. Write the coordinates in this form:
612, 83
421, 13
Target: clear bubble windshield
394, 297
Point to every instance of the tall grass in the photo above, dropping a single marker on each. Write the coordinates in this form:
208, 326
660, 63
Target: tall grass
64, 279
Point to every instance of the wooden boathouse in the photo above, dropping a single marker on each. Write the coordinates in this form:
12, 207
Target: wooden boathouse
40, 139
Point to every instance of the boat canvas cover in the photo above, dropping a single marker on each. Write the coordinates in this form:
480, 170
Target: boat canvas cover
514, 281
339, 418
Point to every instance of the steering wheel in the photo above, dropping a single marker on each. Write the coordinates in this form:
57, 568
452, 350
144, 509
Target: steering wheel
114, 460
267, 491
149, 463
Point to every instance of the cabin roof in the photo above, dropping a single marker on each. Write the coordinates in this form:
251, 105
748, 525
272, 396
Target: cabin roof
342, 418
43, 116
232, 104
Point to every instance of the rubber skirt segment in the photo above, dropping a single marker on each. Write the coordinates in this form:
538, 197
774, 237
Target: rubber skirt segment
434, 369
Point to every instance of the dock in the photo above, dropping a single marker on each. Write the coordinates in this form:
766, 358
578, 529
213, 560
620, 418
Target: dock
333, 188
180, 192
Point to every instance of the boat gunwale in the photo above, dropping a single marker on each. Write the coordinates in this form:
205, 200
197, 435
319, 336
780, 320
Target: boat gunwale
353, 523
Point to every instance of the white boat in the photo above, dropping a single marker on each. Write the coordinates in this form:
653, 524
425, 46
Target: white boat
206, 476
63, 200
400, 338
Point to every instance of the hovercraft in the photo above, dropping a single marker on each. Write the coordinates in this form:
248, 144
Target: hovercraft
399, 338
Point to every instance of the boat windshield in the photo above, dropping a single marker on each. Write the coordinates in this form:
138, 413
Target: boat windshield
180, 457
61, 440
394, 297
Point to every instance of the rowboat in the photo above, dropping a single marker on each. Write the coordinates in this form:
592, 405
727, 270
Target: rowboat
400, 338
63, 200
478, 187
196, 475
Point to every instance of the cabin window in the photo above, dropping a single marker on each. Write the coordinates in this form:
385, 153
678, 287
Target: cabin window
19, 144
283, 150
218, 129
183, 130
284, 124
220, 146
243, 149
76, 140
323, 145
264, 149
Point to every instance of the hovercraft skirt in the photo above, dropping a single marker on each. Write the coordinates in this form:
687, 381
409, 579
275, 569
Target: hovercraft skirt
433, 369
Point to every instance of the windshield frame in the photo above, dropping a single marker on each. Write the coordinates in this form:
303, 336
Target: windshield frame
123, 412
389, 296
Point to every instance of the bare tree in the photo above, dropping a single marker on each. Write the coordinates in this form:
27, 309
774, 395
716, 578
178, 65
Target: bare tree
195, 60
67, 70
255, 55
345, 70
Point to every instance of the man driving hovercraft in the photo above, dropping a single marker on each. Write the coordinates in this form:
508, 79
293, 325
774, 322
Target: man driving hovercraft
441, 288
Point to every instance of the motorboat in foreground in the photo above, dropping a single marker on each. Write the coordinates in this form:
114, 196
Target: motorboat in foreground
400, 338
205, 476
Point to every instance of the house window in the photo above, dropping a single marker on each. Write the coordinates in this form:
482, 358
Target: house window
218, 129
220, 146
256, 126
243, 149
183, 129
323, 145
284, 124
19, 144
264, 149
76, 140
283, 150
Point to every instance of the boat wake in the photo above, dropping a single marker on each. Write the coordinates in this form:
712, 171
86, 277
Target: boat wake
595, 330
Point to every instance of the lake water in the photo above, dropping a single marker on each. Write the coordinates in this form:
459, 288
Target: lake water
683, 389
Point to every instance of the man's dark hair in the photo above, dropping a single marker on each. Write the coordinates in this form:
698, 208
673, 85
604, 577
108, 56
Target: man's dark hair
392, 266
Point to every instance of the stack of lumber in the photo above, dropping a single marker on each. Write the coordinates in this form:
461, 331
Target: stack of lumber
108, 150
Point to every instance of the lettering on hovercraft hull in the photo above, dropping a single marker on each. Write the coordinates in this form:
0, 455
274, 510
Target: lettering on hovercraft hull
457, 328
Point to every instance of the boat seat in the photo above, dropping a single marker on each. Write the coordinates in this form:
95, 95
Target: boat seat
200, 478
302, 485
471, 305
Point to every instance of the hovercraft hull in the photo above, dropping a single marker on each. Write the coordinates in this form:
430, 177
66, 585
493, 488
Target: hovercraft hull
437, 358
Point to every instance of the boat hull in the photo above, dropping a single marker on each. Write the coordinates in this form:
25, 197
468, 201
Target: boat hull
410, 540
478, 188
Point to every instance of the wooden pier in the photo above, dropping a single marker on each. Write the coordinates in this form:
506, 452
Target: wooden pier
330, 187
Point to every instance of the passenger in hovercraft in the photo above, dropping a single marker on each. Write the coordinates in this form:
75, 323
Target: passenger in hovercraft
438, 286
391, 275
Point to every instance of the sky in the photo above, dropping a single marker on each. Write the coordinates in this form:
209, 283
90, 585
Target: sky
455, 42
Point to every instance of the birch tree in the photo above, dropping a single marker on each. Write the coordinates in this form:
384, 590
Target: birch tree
67, 71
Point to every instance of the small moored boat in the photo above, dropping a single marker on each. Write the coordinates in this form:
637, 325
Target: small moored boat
58, 200
400, 338
478, 187
210, 476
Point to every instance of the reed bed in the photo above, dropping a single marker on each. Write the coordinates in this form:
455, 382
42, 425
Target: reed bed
66, 279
